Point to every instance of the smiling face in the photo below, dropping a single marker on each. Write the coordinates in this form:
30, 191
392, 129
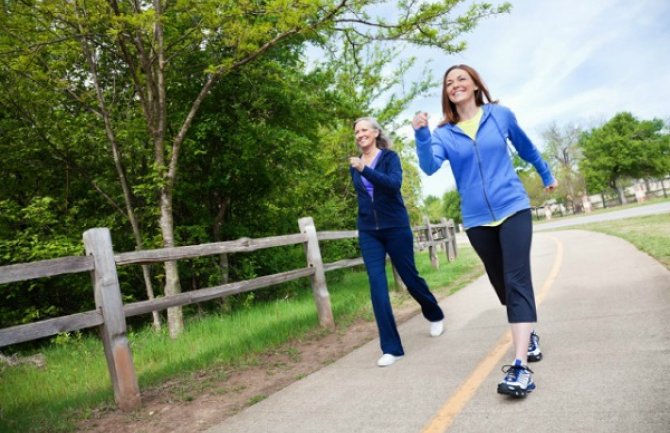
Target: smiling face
366, 134
460, 87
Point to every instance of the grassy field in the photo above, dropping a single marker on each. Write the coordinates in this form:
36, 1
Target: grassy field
75, 381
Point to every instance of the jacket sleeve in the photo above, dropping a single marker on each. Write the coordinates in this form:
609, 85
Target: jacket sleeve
391, 180
430, 150
527, 150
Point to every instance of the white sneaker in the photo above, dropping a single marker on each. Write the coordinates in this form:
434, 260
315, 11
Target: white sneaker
436, 328
387, 359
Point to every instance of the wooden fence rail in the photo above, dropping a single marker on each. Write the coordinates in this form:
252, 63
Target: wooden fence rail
110, 314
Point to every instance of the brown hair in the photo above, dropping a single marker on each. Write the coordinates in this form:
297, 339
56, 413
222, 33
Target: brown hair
481, 94
382, 141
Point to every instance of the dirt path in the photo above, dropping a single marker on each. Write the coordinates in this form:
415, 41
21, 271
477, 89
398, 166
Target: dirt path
208, 398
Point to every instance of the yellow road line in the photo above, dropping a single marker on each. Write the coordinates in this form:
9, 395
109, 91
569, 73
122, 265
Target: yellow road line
447, 413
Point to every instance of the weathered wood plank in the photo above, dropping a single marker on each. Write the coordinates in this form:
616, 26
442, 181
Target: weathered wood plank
46, 328
242, 245
331, 235
341, 264
45, 268
432, 251
318, 280
202, 295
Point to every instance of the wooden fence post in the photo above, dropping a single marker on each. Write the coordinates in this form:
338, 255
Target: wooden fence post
449, 239
435, 263
314, 260
98, 243
452, 251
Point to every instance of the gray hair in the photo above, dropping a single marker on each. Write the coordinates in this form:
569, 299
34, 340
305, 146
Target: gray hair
383, 141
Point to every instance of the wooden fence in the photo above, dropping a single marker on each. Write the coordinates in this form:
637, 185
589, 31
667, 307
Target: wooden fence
110, 313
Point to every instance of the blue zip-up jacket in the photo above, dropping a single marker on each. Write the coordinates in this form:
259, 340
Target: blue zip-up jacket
386, 208
485, 177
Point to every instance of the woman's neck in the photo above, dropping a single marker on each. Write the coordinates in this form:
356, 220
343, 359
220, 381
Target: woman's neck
467, 111
370, 151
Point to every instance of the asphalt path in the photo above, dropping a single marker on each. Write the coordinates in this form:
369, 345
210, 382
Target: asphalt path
603, 308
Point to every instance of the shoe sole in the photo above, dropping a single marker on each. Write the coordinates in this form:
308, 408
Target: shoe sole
515, 391
535, 358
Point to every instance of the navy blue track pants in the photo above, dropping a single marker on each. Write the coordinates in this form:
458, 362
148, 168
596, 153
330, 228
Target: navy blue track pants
505, 252
399, 245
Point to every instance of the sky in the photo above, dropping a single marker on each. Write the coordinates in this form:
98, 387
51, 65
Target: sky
562, 61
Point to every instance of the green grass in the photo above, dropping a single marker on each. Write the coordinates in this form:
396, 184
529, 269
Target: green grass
75, 381
650, 234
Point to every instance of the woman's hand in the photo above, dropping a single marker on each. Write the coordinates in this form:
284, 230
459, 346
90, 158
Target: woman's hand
420, 120
551, 187
356, 163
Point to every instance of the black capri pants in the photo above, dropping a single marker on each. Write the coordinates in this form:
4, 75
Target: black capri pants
505, 252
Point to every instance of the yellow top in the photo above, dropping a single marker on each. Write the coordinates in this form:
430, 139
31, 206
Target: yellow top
496, 223
471, 126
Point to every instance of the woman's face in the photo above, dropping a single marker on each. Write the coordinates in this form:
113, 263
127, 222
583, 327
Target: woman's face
366, 134
460, 87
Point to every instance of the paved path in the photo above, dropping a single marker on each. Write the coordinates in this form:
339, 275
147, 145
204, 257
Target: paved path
604, 313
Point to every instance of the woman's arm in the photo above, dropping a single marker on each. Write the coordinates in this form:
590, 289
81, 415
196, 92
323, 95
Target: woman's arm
527, 150
430, 151
392, 179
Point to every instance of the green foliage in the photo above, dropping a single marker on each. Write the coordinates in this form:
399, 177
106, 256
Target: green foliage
433, 208
624, 147
203, 111
451, 202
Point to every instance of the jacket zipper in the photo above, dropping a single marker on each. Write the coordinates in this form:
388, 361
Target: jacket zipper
481, 175
374, 212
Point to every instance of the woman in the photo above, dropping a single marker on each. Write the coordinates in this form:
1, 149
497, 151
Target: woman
383, 228
495, 207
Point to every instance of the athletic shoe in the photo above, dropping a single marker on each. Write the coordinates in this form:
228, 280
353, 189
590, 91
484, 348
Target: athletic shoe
534, 352
518, 380
436, 328
387, 359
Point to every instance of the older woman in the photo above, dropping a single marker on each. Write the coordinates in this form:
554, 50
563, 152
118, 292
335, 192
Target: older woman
384, 228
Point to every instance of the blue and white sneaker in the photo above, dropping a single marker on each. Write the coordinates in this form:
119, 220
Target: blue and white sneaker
518, 381
534, 352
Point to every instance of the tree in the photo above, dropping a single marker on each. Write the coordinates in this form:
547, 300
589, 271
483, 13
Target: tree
563, 155
433, 208
124, 62
624, 148
451, 202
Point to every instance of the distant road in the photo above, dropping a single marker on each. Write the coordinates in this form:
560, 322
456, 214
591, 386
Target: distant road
608, 216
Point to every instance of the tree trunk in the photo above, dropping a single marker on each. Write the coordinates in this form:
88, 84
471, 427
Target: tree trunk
120, 169
172, 284
224, 205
